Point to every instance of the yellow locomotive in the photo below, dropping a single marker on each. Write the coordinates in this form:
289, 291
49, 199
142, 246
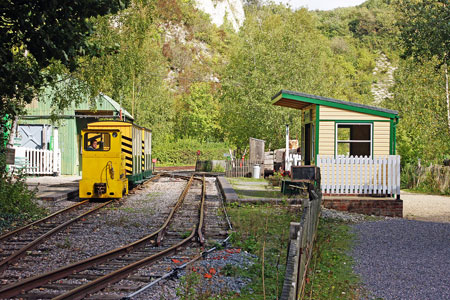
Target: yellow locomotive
115, 155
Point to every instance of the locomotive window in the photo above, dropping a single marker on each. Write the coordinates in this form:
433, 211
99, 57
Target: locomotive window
96, 141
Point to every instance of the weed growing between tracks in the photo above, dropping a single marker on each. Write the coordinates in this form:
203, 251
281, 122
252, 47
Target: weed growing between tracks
330, 274
262, 230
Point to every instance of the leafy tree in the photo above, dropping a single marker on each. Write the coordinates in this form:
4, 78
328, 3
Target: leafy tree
134, 75
422, 131
198, 114
279, 49
425, 34
35, 34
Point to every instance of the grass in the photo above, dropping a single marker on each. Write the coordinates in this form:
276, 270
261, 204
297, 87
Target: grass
262, 230
330, 270
247, 188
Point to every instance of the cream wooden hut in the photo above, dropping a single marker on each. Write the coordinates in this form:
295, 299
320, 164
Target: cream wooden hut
354, 144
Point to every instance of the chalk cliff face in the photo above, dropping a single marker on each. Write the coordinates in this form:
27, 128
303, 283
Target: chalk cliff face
233, 10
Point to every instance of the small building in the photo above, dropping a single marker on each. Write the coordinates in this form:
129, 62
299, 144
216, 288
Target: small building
50, 145
353, 144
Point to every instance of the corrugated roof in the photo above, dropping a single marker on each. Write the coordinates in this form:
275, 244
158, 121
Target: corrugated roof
116, 106
299, 100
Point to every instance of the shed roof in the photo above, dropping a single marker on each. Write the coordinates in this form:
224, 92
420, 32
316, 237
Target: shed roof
116, 106
300, 100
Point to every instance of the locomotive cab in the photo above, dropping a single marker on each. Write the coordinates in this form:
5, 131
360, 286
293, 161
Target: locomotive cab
103, 165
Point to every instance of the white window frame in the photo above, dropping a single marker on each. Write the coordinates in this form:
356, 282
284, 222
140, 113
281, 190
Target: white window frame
352, 141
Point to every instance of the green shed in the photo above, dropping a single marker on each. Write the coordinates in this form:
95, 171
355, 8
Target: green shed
35, 129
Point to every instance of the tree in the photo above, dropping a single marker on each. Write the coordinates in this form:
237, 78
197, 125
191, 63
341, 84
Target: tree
37, 33
279, 49
425, 34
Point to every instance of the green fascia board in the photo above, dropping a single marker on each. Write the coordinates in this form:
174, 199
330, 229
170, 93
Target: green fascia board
352, 106
317, 134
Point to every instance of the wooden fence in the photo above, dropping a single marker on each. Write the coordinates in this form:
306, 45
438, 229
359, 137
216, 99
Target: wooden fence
37, 162
302, 237
241, 167
360, 175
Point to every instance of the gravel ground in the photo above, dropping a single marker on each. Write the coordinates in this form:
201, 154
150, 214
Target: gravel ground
423, 207
403, 259
344, 216
215, 276
110, 228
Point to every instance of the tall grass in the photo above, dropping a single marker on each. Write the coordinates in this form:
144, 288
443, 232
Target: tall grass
432, 179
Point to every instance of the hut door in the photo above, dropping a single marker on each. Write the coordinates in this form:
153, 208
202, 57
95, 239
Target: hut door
308, 142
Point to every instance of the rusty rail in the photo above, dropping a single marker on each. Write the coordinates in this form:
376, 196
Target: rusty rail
36, 281
22, 251
115, 276
201, 239
27, 227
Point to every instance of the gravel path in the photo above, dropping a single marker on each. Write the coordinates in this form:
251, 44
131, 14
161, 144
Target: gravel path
423, 207
403, 259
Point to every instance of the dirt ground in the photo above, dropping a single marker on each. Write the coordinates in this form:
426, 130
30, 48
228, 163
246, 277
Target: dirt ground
424, 207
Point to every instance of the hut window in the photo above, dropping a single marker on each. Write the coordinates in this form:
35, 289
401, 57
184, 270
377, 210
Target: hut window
353, 139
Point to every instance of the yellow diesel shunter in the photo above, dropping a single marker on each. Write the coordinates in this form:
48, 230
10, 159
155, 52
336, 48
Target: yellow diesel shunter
115, 156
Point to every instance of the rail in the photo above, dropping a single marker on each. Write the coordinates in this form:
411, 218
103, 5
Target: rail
179, 268
36, 281
115, 276
22, 251
47, 218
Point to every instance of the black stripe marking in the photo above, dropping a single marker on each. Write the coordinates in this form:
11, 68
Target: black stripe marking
129, 158
127, 138
127, 145
129, 172
127, 151
129, 165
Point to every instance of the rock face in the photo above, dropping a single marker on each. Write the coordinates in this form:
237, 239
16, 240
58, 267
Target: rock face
384, 71
232, 10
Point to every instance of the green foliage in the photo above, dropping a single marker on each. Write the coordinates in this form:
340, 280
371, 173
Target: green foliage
184, 151
258, 226
330, 275
425, 29
419, 98
16, 200
282, 49
35, 34
433, 179
218, 169
198, 114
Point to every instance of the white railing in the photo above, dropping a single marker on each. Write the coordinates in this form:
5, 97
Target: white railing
360, 175
38, 162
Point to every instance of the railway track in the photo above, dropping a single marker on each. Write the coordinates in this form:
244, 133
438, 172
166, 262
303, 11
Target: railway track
18, 243
182, 227
21, 242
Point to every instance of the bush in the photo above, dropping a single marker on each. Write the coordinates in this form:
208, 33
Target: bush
16, 200
432, 179
184, 151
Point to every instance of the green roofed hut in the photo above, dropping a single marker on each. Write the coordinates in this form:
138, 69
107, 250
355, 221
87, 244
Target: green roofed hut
353, 144
52, 147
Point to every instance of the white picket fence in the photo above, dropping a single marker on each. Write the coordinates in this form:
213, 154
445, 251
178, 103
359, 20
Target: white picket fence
360, 175
37, 162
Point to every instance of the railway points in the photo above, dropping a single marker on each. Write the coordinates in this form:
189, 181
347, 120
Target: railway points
187, 219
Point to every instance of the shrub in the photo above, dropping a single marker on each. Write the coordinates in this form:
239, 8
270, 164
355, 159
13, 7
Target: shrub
16, 200
184, 151
431, 179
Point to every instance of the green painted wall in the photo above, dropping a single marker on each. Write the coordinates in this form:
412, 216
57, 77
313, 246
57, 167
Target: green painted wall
38, 112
